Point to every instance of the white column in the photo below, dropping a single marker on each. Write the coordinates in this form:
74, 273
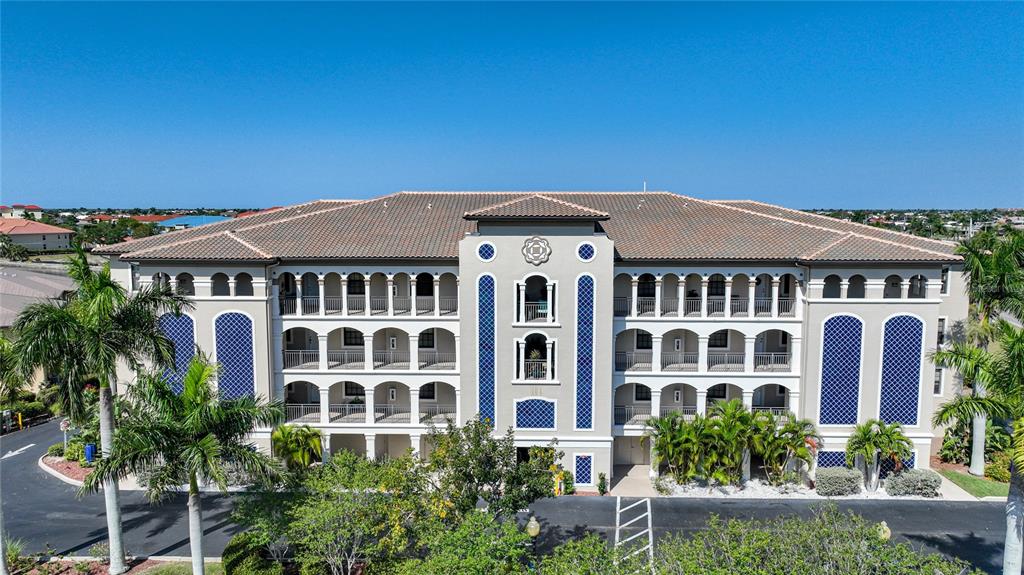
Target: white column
414, 441
551, 302
458, 355
522, 303
344, 295
368, 351
748, 399
702, 353
793, 403
414, 352
657, 296
655, 402
322, 340
795, 359
325, 405
231, 287
521, 345
844, 285
414, 407
704, 297
275, 297
391, 295
298, 295
702, 402
635, 307
412, 294
752, 297
368, 398
550, 359
321, 296
775, 297
748, 354
325, 445
279, 351
437, 296
371, 446
681, 295
656, 353
366, 294
728, 297
458, 406
904, 289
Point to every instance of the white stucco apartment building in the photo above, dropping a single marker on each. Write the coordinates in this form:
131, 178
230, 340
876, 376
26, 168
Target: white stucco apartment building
568, 316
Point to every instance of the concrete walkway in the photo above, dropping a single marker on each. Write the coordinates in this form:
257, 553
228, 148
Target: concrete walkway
952, 492
633, 481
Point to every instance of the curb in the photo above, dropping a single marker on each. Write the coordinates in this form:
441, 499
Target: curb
992, 498
56, 474
168, 558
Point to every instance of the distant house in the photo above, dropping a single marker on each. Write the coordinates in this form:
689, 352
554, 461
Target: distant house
36, 236
154, 218
19, 211
182, 222
254, 212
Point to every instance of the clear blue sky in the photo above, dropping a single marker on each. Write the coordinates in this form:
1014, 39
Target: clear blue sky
868, 105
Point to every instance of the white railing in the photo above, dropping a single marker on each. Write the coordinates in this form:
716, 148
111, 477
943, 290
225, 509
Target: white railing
391, 359
787, 307
632, 414
679, 361
622, 306
449, 305
691, 306
436, 359
301, 359
536, 310
333, 304
535, 369
391, 413
310, 305
356, 305
716, 305
669, 306
436, 413
302, 412
633, 360
725, 361
401, 305
424, 304
288, 305
738, 307
763, 306
779, 412
347, 412
771, 361
346, 359
378, 304
687, 411
645, 306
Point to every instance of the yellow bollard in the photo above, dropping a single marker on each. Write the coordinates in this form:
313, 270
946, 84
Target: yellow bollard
19, 421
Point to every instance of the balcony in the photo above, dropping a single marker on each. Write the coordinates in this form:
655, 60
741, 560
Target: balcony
390, 359
347, 412
725, 361
679, 361
302, 412
436, 360
633, 360
357, 305
645, 306
535, 369
437, 414
686, 411
691, 306
669, 307
763, 307
346, 359
632, 414
402, 305
391, 414
622, 306
787, 307
739, 307
716, 306
780, 413
772, 361
301, 359
535, 311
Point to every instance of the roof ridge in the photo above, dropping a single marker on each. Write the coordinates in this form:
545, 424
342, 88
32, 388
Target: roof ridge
231, 234
572, 204
829, 246
530, 196
805, 224
299, 216
535, 192
178, 243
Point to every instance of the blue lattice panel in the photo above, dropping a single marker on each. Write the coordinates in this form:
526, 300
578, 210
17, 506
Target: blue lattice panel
181, 331
901, 369
840, 370
585, 252
485, 251
235, 356
886, 466
485, 339
583, 474
585, 352
831, 459
535, 414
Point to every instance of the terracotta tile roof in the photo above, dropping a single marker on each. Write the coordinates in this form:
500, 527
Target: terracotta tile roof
254, 212
153, 217
429, 225
17, 226
536, 207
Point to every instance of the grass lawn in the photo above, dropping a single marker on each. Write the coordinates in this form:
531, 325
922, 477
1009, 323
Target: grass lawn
976, 486
184, 568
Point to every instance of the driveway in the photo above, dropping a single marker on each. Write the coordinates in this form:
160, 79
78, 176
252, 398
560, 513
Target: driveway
44, 511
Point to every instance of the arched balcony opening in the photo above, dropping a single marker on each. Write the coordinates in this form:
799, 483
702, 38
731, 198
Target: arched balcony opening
436, 349
401, 294
424, 294
356, 298
310, 293
347, 402
645, 295
448, 299
772, 398
379, 296
679, 351
220, 285
535, 358
437, 403
632, 404
301, 402
763, 295
184, 284
893, 287
301, 349
346, 349
918, 287
391, 402
726, 350
622, 301
739, 300
390, 349
722, 392
787, 295
287, 293
692, 295
535, 300
634, 349
855, 289
161, 280
243, 285
670, 295
716, 295
833, 287
772, 351
334, 303
679, 398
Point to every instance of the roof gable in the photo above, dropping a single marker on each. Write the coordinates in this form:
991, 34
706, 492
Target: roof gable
536, 207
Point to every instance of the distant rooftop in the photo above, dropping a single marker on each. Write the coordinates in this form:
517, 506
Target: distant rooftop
192, 221
20, 287
18, 226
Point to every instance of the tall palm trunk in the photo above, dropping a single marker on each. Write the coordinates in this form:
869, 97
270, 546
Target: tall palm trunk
3, 545
111, 495
978, 426
1013, 546
195, 526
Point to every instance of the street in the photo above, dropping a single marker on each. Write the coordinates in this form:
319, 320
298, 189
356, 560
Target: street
43, 511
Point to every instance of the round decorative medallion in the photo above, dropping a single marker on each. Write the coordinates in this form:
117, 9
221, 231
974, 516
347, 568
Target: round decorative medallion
485, 251
536, 250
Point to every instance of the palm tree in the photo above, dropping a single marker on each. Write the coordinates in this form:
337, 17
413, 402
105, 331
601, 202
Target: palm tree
781, 443
298, 446
82, 339
873, 441
1001, 372
731, 431
12, 379
189, 439
994, 266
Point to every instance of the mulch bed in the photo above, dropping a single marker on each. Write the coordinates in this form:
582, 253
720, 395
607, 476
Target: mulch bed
70, 469
937, 464
68, 567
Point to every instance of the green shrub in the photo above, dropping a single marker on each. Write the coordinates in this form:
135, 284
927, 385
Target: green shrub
75, 451
602, 483
956, 442
999, 469
838, 481
242, 556
28, 409
56, 450
568, 483
923, 482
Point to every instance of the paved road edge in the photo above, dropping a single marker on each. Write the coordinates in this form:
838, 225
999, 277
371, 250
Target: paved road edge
56, 473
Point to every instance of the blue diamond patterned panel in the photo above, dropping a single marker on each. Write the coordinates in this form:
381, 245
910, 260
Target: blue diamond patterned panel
585, 352
831, 459
485, 251
886, 466
485, 339
234, 354
583, 472
535, 414
840, 370
901, 369
586, 252
181, 332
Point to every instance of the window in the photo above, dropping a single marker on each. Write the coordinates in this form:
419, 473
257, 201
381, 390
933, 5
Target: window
783, 338
643, 340
353, 389
940, 338
357, 286
427, 339
392, 342
428, 391
645, 287
717, 391
352, 337
716, 287
641, 393
677, 396
392, 394
937, 388
677, 344
945, 281
719, 339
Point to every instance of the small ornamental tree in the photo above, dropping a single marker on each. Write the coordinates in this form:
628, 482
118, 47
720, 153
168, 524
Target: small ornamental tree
872, 441
478, 545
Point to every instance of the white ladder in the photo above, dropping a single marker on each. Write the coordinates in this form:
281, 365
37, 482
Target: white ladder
639, 510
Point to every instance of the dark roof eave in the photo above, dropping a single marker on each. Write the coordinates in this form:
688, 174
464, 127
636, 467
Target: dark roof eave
594, 218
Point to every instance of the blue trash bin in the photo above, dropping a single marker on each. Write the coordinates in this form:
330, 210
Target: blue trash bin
90, 452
